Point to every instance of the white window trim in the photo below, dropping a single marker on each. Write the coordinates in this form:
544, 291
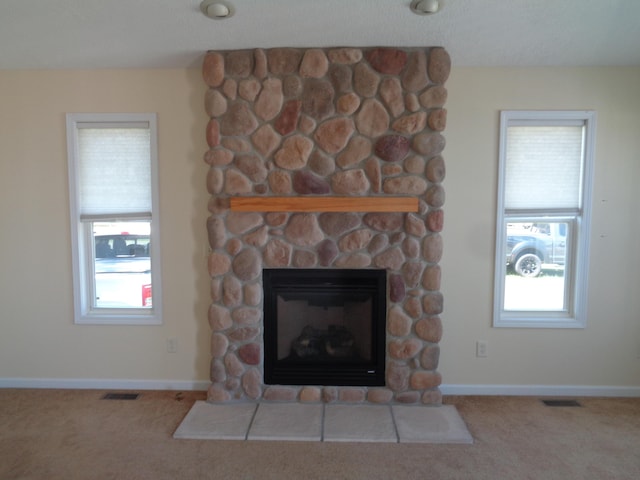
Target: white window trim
81, 234
577, 278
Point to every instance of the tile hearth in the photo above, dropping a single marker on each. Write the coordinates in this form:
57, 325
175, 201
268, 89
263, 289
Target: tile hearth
324, 423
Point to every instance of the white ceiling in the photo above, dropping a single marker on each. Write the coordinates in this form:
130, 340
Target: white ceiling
54, 34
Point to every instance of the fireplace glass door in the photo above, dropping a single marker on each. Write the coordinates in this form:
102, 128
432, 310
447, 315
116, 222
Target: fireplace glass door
324, 327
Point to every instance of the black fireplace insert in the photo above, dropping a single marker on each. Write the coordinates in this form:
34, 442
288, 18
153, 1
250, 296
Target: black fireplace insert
324, 326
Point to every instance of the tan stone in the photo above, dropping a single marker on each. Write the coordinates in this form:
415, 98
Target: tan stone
365, 80
219, 157
236, 183
432, 396
310, 394
372, 120
410, 124
424, 380
333, 135
280, 394
248, 89
431, 278
270, 100
277, 254
413, 307
214, 103
345, 55
439, 65
357, 150
437, 120
379, 395
213, 69
405, 349
219, 318
314, 64
336, 223
219, 344
355, 260
398, 323
280, 182
391, 94
252, 166
385, 222
216, 289
415, 165
434, 97
216, 232
303, 230
233, 364
350, 182
260, 63
306, 124
238, 120
352, 395
218, 264
266, 140
252, 293
251, 384
390, 170
414, 225
241, 222
406, 185
355, 240
415, 75
294, 152
372, 168
347, 103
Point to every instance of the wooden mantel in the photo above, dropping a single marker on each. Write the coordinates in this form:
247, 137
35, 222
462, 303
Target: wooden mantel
324, 204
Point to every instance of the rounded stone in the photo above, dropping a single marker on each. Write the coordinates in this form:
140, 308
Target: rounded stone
233, 364
252, 166
280, 182
241, 222
217, 372
405, 349
432, 303
391, 94
260, 63
350, 182
217, 394
214, 103
235, 183
357, 150
283, 61
429, 329
415, 165
276, 219
247, 265
303, 230
340, 76
219, 344
230, 88
238, 145
428, 144
429, 357
304, 259
391, 169
355, 260
243, 334
411, 102
287, 121
327, 252
257, 238
437, 120
439, 65
389, 61
411, 124
345, 55
396, 288
372, 168
355, 240
292, 86
347, 103
280, 394
238, 120
414, 225
434, 97
435, 170
234, 246
351, 395
248, 89
213, 133
265, 140
378, 243
432, 248
231, 293
435, 220
332, 136
216, 232
252, 293
246, 316
432, 396
391, 259
435, 196
314, 64
372, 120
411, 273
431, 278
317, 98
250, 353
413, 307
277, 253
329, 394
415, 75
365, 80
405, 185
219, 318
392, 148
251, 384
216, 289
310, 394
398, 323
239, 63
385, 222
425, 380
321, 163
294, 152
218, 157
379, 395
411, 247
213, 69
336, 223
398, 376
218, 264
408, 397
270, 100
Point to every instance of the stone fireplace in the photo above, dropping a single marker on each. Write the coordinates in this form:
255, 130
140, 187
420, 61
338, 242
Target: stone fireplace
312, 154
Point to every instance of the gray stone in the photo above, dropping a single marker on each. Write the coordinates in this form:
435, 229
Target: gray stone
321, 163
435, 170
327, 252
365, 80
428, 144
247, 264
238, 120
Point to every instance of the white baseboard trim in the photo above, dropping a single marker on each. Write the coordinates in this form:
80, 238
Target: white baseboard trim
104, 384
542, 390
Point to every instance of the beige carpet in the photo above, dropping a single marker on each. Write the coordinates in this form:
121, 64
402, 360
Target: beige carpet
71, 434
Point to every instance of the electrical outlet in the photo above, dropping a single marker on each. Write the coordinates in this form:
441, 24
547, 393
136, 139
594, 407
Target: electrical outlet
172, 345
482, 347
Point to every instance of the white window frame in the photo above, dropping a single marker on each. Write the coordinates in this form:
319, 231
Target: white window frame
577, 243
83, 260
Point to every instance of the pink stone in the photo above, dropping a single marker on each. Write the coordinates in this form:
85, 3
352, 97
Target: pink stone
396, 288
432, 303
385, 222
415, 164
252, 166
219, 157
280, 182
429, 329
411, 272
260, 63
251, 383
239, 63
277, 254
378, 243
317, 98
341, 77
234, 246
233, 365
435, 170
408, 397
435, 196
294, 152
270, 100
214, 103
257, 238
213, 133
415, 75
266, 140
219, 318
310, 394
410, 124
398, 376
348, 103
219, 344
437, 120
314, 64
355, 240
288, 118
217, 372
424, 380
280, 394
350, 182
276, 219
373, 119
218, 264
411, 102
391, 94
304, 259
252, 293
392, 148
391, 259
238, 145
372, 168
391, 170
335, 224
241, 222
216, 232
230, 88
357, 150
345, 55
431, 278
428, 144
429, 357
398, 323
215, 181
406, 185
403, 350
238, 121
327, 252
432, 396
303, 230
321, 164
434, 97
411, 247
379, 395
389, 61
218, 205
250, 353
305, 183
413, 307
439, 65
306, 125
247, 265
414, 225
355, 260
244, 333
236, 183
365, 80
213, 69
248, 89
351, 395
283, 61
333, 135
435, 220
292, 86
217, 394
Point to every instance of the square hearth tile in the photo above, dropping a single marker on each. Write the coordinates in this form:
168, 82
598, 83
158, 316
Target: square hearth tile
424, 424
206, 421
288, 421
359, 423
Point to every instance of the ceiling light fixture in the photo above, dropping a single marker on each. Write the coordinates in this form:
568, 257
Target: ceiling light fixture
425, 7
216, 9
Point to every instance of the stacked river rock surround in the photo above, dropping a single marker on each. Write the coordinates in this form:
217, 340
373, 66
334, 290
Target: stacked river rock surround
339, 122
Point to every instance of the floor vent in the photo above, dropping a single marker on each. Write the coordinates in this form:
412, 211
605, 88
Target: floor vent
561, 403
121, 396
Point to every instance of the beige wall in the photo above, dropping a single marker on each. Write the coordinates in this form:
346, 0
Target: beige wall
38, 339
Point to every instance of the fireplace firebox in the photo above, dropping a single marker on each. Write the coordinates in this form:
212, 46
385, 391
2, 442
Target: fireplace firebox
324, 326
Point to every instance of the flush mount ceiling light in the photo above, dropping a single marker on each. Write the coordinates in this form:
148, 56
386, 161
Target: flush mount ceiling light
425, 7
216, 9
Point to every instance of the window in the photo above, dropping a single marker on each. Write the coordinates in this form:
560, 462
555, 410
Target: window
544, 199
114, 218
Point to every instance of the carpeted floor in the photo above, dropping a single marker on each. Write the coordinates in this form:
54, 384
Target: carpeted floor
75, 434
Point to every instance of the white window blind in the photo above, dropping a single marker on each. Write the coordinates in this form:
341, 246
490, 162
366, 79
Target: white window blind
543, 167
114, 171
